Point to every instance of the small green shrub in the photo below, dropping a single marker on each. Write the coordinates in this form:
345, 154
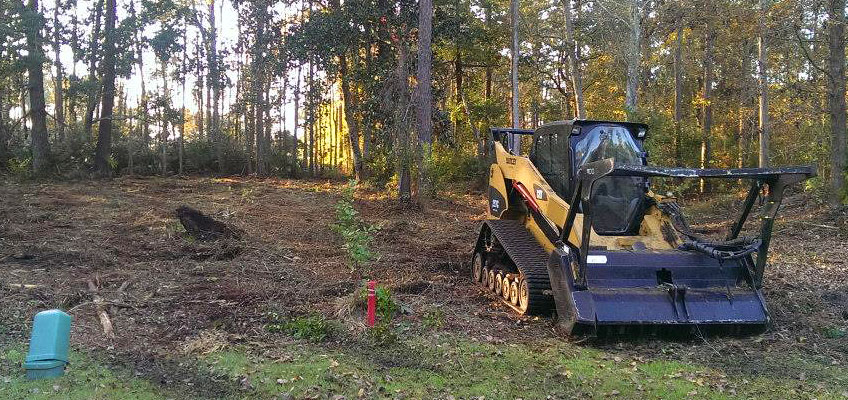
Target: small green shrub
383, 334
20, 167
434, 319
835, 333
387, 307
356, 234
313, 327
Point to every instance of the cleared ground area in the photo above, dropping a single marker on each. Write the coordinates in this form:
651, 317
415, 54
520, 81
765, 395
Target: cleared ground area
278, 313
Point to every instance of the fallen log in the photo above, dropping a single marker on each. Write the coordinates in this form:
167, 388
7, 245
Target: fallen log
100, 307
203, 227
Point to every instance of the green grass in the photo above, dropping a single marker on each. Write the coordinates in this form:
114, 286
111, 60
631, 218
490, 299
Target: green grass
84, 378
439, 367
435, 366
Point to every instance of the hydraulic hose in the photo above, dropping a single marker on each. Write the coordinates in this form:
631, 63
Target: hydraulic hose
721, 250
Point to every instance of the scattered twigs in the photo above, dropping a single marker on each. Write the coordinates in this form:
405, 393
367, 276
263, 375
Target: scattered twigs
23, 286
819, 225
102, 314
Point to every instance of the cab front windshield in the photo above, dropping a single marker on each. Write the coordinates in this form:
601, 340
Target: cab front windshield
617, 201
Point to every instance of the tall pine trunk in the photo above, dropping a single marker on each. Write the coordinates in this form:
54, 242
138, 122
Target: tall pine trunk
836, 96
104, 130
143, 101
574, 61
706, 128
425, 108
352, 126
516, 116
215, 86
296, 115
678, 93
38, 114
58, 87
634, 56
165, 133
93, 50
762, 76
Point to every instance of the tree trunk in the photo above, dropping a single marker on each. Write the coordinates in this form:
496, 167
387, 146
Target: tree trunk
4, 137
104, 128
516, 117
745, 98
762, 76
352, 126
199, 85
836, 96
368, 121
215, 85
402, 147
678, 93
164, 134
58, 87
266, 115
143, 101
183, 74
310, 97
94, 96
706, 128
634, 56
38, 113
296, 115
425, 100
574, 61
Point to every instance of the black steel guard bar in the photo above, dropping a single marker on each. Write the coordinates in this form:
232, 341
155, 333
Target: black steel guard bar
777, 180
503, 135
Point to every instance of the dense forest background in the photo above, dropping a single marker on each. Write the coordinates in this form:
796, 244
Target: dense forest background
402, 93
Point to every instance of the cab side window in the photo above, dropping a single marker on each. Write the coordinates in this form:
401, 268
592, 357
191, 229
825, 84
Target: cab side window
552, 158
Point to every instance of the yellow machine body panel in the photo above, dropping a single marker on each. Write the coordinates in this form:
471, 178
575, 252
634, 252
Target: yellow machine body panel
513, 168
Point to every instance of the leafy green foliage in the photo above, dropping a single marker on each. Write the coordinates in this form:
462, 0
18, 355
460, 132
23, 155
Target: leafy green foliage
835, 333
313, 327
434, 318
356, 234
387, 307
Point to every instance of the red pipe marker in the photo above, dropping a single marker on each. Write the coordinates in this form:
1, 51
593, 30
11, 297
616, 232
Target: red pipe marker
372, 302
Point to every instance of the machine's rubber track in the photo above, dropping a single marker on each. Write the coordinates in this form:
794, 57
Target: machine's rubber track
531, 260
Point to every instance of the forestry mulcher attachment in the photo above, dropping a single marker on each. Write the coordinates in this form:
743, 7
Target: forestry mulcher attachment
574, 227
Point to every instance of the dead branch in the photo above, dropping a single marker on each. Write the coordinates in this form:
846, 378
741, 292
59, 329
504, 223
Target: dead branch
102, 314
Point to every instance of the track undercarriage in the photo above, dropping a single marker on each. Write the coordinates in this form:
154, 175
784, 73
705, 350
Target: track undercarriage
512, 266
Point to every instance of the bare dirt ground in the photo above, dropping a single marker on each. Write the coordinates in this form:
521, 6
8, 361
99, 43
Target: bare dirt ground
164, 290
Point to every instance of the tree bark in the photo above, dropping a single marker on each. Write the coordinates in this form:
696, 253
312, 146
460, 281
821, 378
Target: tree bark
296, 116
4, 137
183, 74
38, 114
350, 118
215, 85
836, 96
104, 127
678, 92
425, 98
94, 96
143, 101
164, 134
574, 61
745, 98
762, 76
634, 56
199, 85
58, 86
516, 117
310, 120
706, 128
